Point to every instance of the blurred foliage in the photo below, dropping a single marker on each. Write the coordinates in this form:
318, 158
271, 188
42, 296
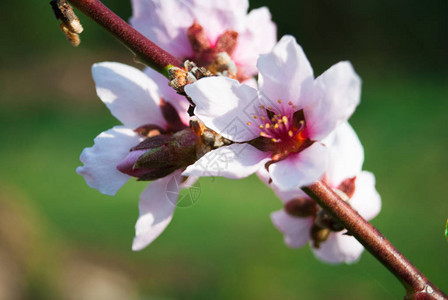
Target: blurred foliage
225, 245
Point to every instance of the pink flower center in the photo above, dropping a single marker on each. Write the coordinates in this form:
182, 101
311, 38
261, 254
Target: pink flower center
206, 52
283, 133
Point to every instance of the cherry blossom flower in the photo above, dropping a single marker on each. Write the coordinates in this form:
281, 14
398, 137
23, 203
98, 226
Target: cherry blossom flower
143, 107
302, 221
201, 29
280, 126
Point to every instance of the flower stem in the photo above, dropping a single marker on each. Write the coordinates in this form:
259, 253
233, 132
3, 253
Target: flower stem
145, 50
416, 284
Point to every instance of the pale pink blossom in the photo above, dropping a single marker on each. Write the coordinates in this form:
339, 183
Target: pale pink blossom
283, 123
345, 176
199, 29
135, 100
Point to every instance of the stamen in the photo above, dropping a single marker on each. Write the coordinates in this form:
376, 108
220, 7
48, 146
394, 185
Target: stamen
249, 123
285, 120
267, 126
255, 117
279, 101
290, 103
290, 133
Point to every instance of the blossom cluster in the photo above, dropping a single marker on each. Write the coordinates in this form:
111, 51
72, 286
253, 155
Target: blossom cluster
288, 126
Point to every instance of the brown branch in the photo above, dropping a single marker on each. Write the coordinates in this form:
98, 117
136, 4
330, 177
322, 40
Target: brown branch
416, 284
143, 48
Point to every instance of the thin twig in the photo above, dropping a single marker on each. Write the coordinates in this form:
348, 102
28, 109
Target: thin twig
143, 48
416, 284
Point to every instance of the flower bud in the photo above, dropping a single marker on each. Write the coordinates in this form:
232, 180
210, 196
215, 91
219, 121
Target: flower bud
161, 155
324, 220
319, 235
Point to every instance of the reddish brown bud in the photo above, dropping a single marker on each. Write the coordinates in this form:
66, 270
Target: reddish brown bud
301, 207
171, 116
198, 38
348, 187
227, 42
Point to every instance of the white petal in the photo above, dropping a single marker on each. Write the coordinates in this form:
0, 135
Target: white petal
131, 96
258, 37
156, 207
189, 182
284, 196
285, 74
336, 93
366, 199
223, 104
235, 161
339, 248
165, 22
296, 230
300, 169
346, 155
170, 95
101, 160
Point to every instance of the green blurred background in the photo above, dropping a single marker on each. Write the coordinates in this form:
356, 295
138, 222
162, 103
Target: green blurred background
60, 239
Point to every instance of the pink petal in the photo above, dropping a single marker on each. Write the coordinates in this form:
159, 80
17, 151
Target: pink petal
366, 199
170, 95
296, 230
300, 169
338, 249
131, 96
346, 155
235, 161
157, 204
336, 93
165, 22
285, 74
223, 104
258, 37
100, 161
